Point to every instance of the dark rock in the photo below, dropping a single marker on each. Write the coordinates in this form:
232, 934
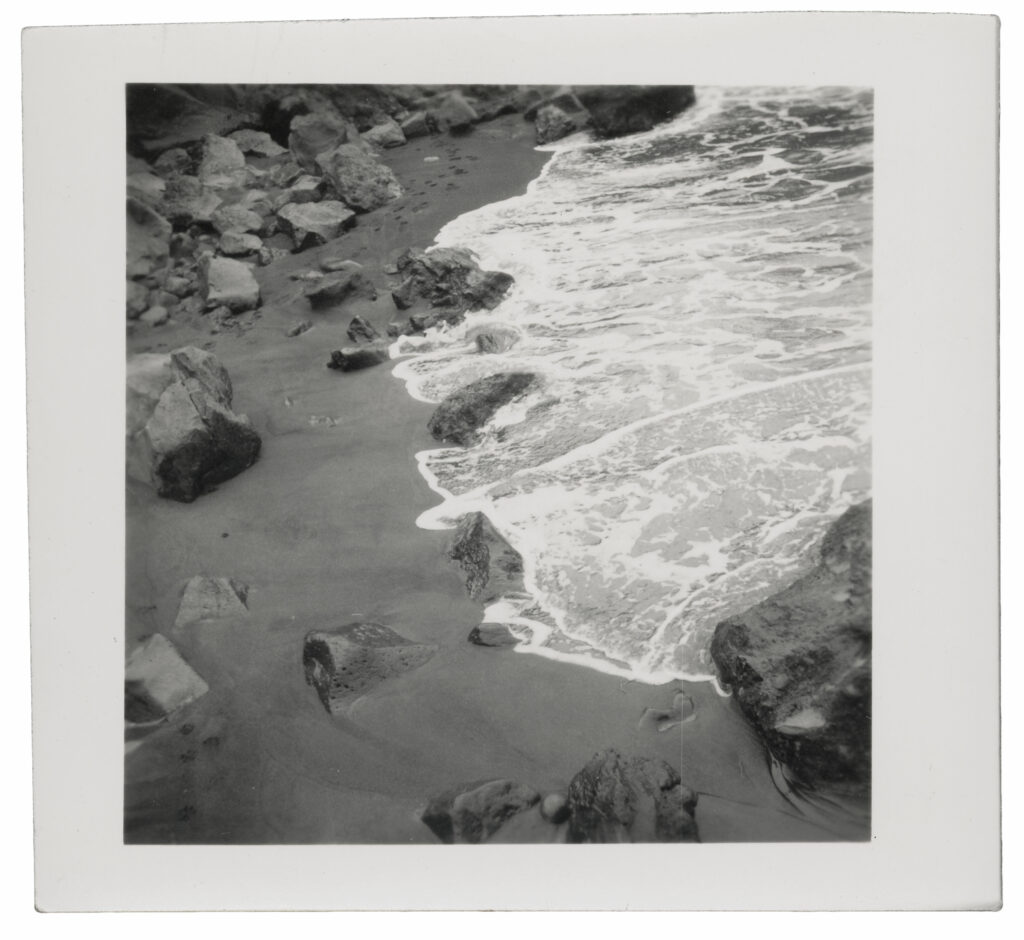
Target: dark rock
495, 635
360, 180
493, 339
352, 358
300, 328
160, 117
229, 283
492, 567
451, 280
460, 416
318, 133
415, 125
799, 663
332, 289
339, 264
616, 110
421, 322
284, 174
472, 813
636, 799
553, 123
315, 223
361, 329
399, 328
158, 682
344, 665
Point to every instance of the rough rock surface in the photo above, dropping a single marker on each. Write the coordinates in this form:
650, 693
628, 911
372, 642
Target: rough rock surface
635, 799
459, 417
453, 113
494, 635
345, 665
149, 238
228, 283
554, 122
359, 179
305, 188
173, 162
257, 142
472, 813
187, 201
491, 566
314, 223
799, 663
205, 599
237, 244
360, 329
158, 681
340, 285
236, 219
353, 358
182, 436
317, 133
616, 110
449, 279
222, 165
386, 134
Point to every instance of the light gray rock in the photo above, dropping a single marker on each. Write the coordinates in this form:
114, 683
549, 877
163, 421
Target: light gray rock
211, 599
305, 189
158, 682
236, 244
155, 316
136, 299
359, 179
187, 201
317, 133
386, 134
315, 223
236, 219
223, 164
228, 282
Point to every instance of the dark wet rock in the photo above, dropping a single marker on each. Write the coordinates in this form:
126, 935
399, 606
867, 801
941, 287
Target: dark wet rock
555, 121
257, 142
361, 181
236, 219
315, 223
415, 125
555, 808
339, 286
301, 327
495, 635
458, 419
472, 813
453, 113
238, 244
616, 110
182, 436
799, 663
148, 240
386, 134
318, 133
229, 283
634, 799
222, 165
353, 358
362, 329
493, 339
208, 599
348, 663
450, 280
158, 682
491, 566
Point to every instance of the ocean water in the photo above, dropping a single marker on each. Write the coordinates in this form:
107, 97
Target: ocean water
696, 301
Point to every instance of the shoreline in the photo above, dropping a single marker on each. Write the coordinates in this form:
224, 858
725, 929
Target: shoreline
335, 539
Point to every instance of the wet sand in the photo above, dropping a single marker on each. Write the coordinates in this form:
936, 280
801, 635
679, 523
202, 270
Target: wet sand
322, 529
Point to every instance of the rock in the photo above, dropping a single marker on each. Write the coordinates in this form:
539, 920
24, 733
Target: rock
339, 264
284, 174
300, 328
179, 286
492, 567
493, 339
449, 279
453, 113
386, 134
361, 329
143, 184
799, 663
421, 322
236, 219
187, 201
472, 813
553, 123
665, 719
206, 599
236, 244
331, 289
314, 134
268, 255
459, 417
222, 165
257, 142
555, 808
359, 179
352, 358
315, 223
158, 681
415, 125
173, 162
398, 328
636, 799
495, 635
305, 189
148, 240
136, 299
228, 282
616, 110
345, 665
182, 436
155, 316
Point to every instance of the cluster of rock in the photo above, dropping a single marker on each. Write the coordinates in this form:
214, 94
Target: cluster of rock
799, 664
612, 799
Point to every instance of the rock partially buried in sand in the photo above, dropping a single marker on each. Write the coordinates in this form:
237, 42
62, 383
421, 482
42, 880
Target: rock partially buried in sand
301, 327
665, 719
492, 567
229, 283
799, 663
472, 813
345, 665
450, 280
636, 799
386, 134
236, 219
353, 358
362, 329
494, 635
616, 110
210, 599
314, 223
158, 681
361, 181
458, 419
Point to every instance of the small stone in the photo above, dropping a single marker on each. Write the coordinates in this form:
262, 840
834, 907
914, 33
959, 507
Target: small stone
555, 808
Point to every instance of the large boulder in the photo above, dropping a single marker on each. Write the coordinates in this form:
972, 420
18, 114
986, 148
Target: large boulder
315, 223
453, 113
458, 419
228, 283
148, 240
341, 284
208, 599
473, 812
345, 665
450, 280
616, 110
491, 566
634, 799
223, 163
360, 180
799, 663
314, 134
386, 134
182, 436
158, 681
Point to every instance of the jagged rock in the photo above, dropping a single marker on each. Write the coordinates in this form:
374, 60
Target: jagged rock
386, 134
236, 244
257, 142
495, 635
173, 162
449, 279
227, 282
555, 808
360, 180
331, 289
352, 358
305, 189
267, 255
415, 125
553, 123
155, 316
222, 164
493, 339
182, 436
236, 219
148, 240
472, 813
187, 201
301, 327
799, 663
318, 133
361, 329
453, 113
206, 599
492, 567
136, 299
345, 665
636, 799
616, 110
158, 681
458, 419
314, 223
